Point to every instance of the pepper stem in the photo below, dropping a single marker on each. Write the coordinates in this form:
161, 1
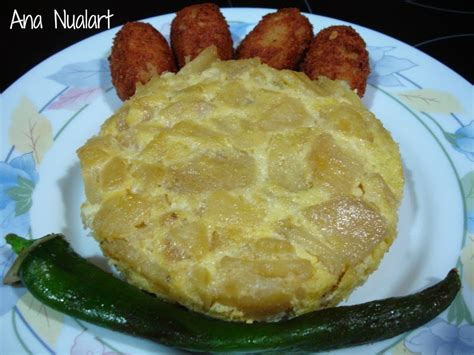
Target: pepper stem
18, 243
22, 247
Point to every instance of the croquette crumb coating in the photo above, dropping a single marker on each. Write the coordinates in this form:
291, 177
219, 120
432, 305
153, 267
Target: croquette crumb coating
280, 39
197, 27
242, 191
338, 52
139, 52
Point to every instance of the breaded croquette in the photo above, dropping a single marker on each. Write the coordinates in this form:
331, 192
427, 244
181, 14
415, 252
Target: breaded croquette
280, 39
139, 52
338, 52
197, 27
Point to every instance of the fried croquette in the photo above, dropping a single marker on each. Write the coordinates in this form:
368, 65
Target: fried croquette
338, 52
197, 27
139, 52
280, 39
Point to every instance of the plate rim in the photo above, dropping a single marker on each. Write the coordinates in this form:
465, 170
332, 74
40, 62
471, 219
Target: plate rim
52, 57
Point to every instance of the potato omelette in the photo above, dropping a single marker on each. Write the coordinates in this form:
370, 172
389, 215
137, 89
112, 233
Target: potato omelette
241, 191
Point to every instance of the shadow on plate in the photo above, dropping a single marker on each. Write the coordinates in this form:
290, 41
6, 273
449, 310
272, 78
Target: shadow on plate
72, 192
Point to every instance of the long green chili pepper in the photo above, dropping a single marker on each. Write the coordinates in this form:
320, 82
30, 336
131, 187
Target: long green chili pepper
63, 280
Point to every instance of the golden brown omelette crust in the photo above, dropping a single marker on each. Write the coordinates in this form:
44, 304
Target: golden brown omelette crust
280, 39
138, 53
338, 52
197, 27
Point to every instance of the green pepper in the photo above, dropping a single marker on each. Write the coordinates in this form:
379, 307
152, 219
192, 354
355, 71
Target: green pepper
61, 279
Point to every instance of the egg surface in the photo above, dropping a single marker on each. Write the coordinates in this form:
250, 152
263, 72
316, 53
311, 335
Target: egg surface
241, 191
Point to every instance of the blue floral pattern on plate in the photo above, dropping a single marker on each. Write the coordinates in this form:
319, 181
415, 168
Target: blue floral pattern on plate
441, 337
17, 180
463, 140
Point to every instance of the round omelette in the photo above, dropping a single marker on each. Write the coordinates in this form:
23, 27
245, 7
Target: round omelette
241, 191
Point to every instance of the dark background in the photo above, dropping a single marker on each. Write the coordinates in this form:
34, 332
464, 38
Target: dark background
442, 29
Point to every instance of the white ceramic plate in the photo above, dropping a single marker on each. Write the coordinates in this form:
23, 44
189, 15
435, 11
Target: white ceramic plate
53, 109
